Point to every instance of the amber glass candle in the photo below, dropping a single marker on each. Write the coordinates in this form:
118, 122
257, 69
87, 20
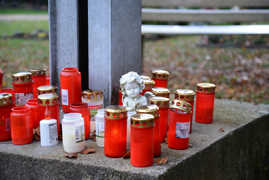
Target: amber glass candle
115, 131
32, 104
39, 79
163, 92
142, 140
21, 125
70, 79
161, 78
49, 107
22, 85
5, 110
153, 110
83, 109
163, 104
47, 89
205, 95
179, 126
188, 96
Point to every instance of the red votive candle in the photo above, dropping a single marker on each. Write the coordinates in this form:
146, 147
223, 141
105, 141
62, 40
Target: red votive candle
161, 78
120, 97
82, 108
5, 110
163, 104
32, 104
10, 91
1, 78
142, 140
153, 110
179, 125
21, 125
205, 95
47, 89
115, 131
70, 79
39, 79
49, 107
186, 95
149, 84
163, 92
22, 85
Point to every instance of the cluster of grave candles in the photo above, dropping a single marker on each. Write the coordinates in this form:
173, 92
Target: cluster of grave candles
32, 99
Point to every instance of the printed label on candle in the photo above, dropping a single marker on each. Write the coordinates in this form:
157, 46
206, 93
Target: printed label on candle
53, 133
79, 133
182, 130
22, 98
64, 96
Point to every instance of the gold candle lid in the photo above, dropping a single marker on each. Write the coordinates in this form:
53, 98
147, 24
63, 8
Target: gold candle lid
150, 109
182, 106
161, 102
115, 112
22, 77
160, 74
145, 77
185, 94
48, 99
149, 84
46, 89
90, 94
5, 99
38, 72
206, 87
164, 92
142, 120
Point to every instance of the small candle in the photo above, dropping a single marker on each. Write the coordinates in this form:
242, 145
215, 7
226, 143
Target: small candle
163, 92
149, 84
39, 79
161, 78
48, 132
5, 110
47, 89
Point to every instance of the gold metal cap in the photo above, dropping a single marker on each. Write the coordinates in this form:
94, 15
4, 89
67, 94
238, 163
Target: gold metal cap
142, 120
185, 95
38, 72
46, 89
161, 102
22, 77
5, 99
145, 77
164, 92
160, 74
206, 87
150, 109
92, 95
182, 106
149, 84
48, 99
115, 112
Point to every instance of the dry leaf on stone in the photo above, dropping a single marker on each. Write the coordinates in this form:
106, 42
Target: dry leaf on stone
127, 155
71, 155
162, 160
88, 150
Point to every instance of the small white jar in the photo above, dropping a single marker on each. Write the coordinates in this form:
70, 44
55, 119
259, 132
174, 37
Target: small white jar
73, 133
48, 132
100, 127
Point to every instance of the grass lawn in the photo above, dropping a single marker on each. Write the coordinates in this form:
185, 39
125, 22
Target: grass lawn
240, 74
22, 11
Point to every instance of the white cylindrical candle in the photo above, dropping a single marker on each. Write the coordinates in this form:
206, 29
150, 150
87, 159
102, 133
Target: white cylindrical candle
73, 133
48, 132
100, 127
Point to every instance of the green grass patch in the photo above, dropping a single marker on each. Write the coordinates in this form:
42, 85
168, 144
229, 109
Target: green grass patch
23, 11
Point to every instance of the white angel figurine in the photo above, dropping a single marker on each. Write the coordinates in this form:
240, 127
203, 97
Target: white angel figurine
131, 86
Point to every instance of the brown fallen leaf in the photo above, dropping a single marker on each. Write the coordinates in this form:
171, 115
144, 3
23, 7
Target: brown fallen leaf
221, 129
71, 155
162, 160
88, 150
36, 133
127, 155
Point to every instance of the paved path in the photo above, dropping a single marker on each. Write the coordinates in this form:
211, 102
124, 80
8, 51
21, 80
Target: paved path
25, 17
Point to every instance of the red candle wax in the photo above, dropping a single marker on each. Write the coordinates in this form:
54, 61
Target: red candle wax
39, 79
161, 78
5, 110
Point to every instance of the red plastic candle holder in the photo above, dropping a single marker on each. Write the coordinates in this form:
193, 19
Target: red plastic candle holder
21, 125
153, 110
149, 84
163, 92
161, 78
179, 125
10, 91
39, 79
205, 95
163, 104
120, 98
70, 79
32, 104
142, 148
82, 108
5, 110
188, 96
115, 131
22, 85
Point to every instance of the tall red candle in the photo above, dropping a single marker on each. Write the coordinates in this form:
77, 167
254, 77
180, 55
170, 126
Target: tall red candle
115, 131
5, 110
70, 79
21, 125
163, 104
179, 125
142, 140
47, 89
186, 95
161, 78
205, 95
163, 92
32, 104
39, 79
153, 110
22, 85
